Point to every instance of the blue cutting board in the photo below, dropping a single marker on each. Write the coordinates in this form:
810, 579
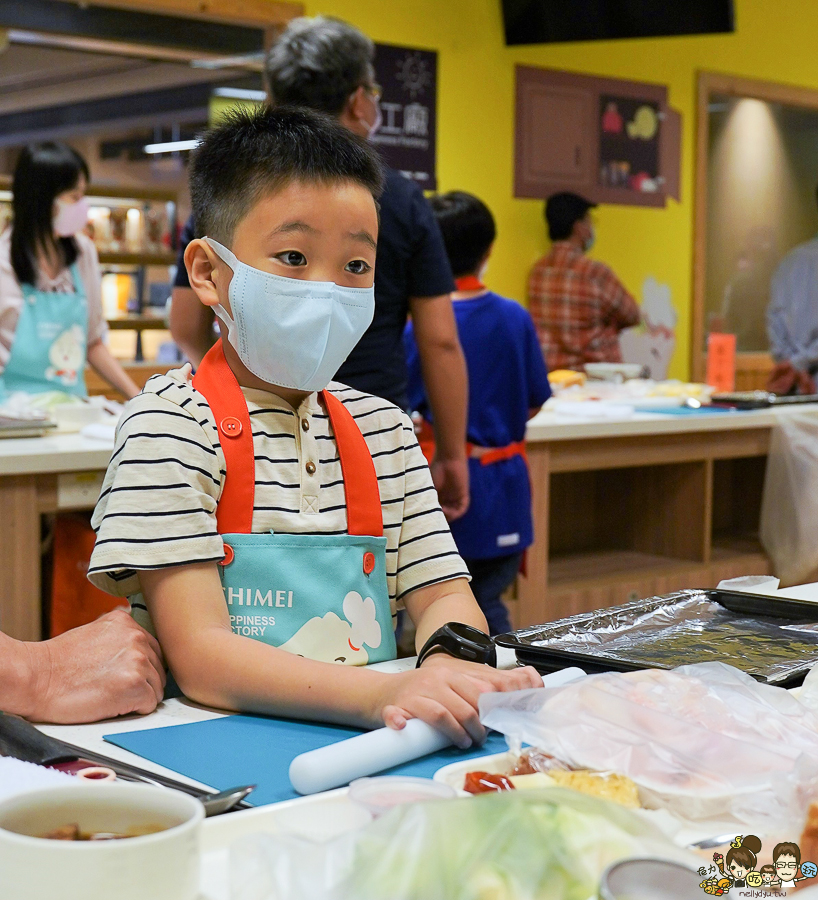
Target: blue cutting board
237, 750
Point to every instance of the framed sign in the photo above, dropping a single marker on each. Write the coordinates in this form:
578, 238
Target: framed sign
406, 138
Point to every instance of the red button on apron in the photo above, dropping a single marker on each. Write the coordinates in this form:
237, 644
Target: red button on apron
229, 555
230, 426
369, 563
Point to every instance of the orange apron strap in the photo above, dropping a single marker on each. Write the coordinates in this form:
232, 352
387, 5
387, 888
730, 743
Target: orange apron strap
216, 381
364, 512
496, 454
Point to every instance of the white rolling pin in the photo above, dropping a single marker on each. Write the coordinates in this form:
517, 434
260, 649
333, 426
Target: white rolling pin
338, 764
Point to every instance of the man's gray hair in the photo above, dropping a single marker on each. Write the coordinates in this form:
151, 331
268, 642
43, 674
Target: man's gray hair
319, 62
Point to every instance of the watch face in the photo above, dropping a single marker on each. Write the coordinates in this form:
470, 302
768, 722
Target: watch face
469, 633
471, 643
463, 642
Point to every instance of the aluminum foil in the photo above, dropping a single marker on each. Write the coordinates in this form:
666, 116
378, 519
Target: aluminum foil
683, 628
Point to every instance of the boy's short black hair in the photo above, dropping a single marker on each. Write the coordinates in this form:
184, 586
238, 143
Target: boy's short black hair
468, 229
250, 154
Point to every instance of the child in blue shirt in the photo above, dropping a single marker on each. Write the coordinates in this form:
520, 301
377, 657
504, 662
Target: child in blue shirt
508, 383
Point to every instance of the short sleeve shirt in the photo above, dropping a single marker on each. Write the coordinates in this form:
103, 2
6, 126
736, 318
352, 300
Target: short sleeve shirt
411, 262
579, 307
158, 502
490, 327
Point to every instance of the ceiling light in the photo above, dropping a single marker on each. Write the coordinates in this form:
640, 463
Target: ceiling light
240, 94
172, 146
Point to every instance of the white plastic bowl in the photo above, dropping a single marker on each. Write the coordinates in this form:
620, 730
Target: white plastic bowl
160, 866
381, 793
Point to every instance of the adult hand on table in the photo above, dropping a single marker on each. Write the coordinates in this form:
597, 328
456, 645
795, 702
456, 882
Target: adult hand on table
444, 693
108, 668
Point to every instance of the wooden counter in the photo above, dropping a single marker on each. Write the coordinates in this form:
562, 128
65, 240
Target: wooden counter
645, 506
622, 509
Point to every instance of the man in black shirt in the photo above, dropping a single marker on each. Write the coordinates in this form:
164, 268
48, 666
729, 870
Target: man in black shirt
326, 64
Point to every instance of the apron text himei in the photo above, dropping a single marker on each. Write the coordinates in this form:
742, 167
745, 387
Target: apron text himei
246, 597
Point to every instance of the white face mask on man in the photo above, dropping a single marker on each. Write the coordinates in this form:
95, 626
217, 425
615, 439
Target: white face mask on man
288, 331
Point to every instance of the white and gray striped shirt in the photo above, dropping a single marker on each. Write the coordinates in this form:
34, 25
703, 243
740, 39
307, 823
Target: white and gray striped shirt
158, 503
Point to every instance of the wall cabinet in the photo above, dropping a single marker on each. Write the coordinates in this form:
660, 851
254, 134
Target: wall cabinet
611, 141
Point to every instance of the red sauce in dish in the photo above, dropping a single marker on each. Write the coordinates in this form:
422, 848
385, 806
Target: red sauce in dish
484, 782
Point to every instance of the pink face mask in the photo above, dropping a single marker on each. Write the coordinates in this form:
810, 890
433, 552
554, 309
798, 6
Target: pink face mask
71, 217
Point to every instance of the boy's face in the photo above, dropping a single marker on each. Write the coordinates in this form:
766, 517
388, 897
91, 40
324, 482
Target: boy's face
313, 232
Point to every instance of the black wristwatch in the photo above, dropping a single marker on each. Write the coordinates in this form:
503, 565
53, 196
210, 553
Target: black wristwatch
462, 642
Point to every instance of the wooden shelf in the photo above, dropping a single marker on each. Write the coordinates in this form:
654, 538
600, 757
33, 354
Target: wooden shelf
122, 258
576, 571
580, 582
138, 323
119, 192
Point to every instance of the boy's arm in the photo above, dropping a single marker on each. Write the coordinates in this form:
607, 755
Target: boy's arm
215, 667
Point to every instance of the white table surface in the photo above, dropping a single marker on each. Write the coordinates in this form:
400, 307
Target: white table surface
74, 453
550, 425
53, 453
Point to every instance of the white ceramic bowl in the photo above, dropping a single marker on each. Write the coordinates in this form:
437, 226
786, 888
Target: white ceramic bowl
613, 371
160, 866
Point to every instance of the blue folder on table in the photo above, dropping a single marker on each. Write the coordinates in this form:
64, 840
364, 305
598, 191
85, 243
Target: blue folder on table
237, 750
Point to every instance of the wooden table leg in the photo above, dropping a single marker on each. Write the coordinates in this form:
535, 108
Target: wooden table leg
20, 603
530, 607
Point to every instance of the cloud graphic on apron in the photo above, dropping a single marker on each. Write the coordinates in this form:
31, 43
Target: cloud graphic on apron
329, 638
361, 614
66, 355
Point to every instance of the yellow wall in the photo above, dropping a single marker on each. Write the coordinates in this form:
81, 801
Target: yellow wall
775, 40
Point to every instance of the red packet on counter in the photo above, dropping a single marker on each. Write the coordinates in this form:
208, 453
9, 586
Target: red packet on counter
721, 362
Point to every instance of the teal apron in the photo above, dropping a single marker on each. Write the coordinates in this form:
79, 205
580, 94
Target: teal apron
324, 597
50, 342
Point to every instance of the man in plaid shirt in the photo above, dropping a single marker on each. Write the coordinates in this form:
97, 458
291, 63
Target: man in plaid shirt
578, 305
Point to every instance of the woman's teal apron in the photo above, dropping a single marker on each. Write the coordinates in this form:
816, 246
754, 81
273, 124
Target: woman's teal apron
324, 597
50, 342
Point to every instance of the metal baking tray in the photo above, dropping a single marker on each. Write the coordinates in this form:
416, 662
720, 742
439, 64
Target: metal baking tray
774, 640
760, 399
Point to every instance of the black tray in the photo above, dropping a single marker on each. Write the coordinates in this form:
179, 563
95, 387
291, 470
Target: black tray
526, 642
760, 399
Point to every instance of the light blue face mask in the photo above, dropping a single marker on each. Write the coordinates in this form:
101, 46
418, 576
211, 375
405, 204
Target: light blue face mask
288, 331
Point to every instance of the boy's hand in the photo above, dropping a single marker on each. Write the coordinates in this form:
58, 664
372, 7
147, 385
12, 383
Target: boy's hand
444, 694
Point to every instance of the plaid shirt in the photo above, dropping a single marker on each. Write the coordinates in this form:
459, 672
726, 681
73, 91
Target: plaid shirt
579, 307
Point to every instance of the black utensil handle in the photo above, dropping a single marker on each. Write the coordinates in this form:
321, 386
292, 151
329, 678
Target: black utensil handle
21, 740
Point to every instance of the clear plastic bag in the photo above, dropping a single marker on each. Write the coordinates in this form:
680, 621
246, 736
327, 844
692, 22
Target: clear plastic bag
789, 508
519, 845
706, 742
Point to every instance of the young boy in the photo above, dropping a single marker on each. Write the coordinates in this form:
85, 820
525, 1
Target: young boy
271, 525
503, 395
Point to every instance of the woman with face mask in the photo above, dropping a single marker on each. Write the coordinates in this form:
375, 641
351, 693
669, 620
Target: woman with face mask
51, 320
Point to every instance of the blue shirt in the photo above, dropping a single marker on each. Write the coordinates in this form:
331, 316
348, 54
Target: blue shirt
792, 316
507, 378
411, 262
